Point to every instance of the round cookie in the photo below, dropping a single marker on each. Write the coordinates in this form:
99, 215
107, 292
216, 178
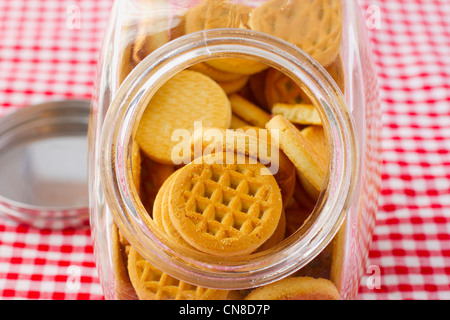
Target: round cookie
161, 213
157, 205
165, 216
187, 97
151, 283
225, 209
313, 25
278, 235
296, 288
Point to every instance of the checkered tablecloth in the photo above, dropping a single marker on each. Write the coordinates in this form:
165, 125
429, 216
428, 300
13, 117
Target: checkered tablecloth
46, 55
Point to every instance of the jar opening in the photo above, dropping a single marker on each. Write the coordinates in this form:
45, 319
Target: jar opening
121, 124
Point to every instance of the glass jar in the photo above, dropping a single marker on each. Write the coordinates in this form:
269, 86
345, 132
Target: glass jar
313, 92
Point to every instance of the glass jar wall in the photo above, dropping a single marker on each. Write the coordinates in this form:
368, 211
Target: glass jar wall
284, 91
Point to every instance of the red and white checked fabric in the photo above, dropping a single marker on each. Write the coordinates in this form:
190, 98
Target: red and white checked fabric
45, 57
411, 242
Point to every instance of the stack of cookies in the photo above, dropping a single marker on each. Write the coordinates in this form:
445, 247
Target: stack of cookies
230, 155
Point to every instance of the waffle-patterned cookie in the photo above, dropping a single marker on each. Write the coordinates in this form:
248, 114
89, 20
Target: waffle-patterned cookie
151, 283
225, 209
313, 25
278, 236
253, 142
157, 205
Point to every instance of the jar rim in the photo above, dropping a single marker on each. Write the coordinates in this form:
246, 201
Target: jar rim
121, 123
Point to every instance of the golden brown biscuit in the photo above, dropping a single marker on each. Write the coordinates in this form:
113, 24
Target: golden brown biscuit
186, 98
296, 288
151, 283
213, 14
285, 175
317, 139
161, 213
316, 135
225, 209
313, 25
165, 215
124, 288
157, 205
278, 235
307, 161
253, 142
303, 114
249, 112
